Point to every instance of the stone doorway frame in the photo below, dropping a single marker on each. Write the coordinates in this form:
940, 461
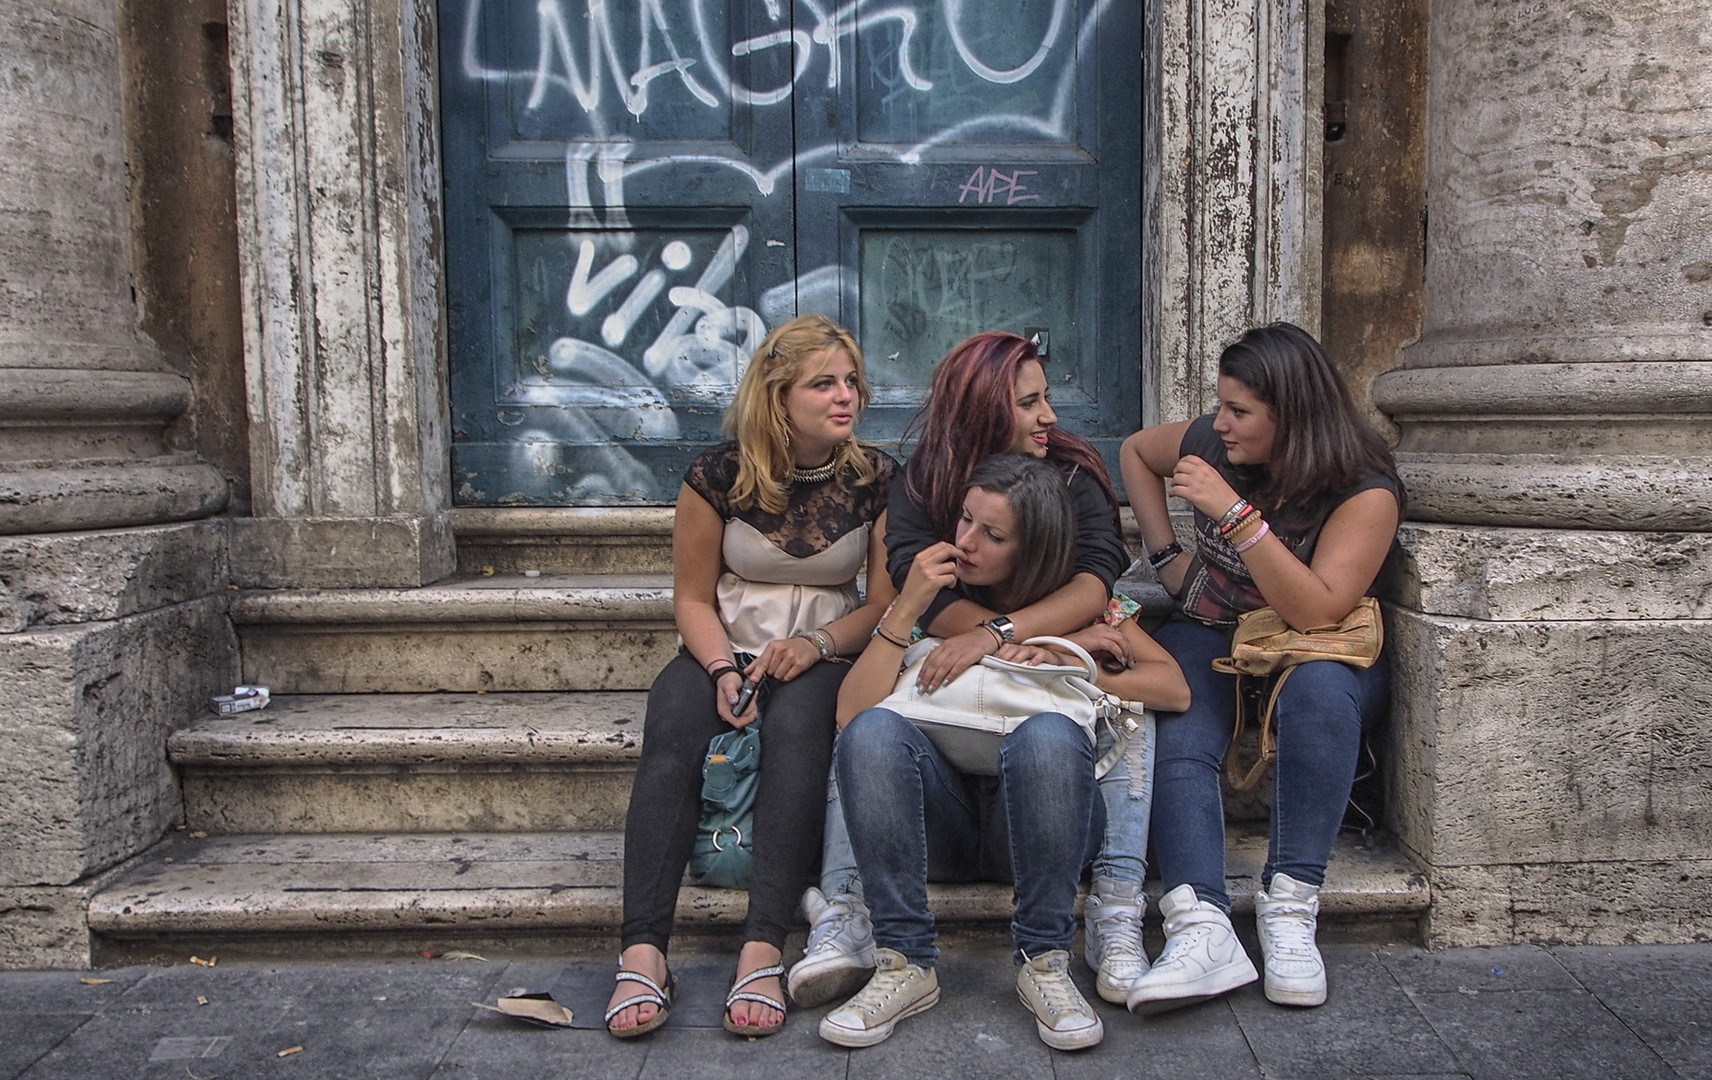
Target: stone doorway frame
340, 235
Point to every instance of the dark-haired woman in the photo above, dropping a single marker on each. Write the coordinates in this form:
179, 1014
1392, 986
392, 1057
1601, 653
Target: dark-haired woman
770, 532
1297, 503
989, 395
913, 815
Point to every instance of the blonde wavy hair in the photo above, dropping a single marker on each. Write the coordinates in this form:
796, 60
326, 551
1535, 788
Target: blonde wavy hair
757, 418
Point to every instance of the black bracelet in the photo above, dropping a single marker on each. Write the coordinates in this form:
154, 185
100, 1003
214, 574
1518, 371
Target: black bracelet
720, 667
1158, 559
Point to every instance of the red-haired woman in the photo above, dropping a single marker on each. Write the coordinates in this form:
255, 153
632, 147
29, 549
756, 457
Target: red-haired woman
989, 395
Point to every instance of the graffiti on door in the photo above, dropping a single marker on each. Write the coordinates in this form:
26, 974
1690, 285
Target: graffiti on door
629, 318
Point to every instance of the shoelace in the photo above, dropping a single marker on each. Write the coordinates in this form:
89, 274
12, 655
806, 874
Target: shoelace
1119, 936
881, 988
1183, 942
1290, 930
1058, 992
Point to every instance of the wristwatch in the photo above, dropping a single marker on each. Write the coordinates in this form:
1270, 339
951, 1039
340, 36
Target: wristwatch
1002, 626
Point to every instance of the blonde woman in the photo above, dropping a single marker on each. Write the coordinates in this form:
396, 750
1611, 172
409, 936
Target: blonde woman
770, 532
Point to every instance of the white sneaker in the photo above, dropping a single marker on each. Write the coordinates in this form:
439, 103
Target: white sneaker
840, 951
898, 989
1111, 937
1202, 957
1287, 917
1062, 1016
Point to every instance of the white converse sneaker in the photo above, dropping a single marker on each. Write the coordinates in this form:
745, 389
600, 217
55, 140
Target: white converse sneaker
1287, 916
1111, 937
840, 953
1202, 957
1062, 1016
898, 989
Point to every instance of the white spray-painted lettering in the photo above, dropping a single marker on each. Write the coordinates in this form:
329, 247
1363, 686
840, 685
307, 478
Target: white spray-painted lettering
703, 344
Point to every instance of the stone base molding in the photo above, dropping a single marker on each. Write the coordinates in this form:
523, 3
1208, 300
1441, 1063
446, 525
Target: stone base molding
88, 708
1612, 445
1549, 752
341, 552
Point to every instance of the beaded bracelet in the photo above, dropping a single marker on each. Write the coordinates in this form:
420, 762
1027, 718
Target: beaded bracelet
1248, 518
1237, 509
1255, 539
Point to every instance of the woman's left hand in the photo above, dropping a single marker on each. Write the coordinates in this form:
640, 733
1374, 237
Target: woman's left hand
1201, 485
784, 659
1018, 653
953, 657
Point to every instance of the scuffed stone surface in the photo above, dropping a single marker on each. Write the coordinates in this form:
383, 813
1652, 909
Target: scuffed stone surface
44, 927
1551, 742
61, 578
1508, 575
473, 656
87, 711
108, 495
1590, 903
335, 553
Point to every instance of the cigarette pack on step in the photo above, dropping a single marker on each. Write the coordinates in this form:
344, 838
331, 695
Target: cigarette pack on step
241, 699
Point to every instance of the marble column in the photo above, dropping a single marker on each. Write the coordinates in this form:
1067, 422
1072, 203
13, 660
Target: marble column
112, 583
1553, 640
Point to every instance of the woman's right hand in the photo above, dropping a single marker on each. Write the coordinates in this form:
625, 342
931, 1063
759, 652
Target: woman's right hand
1102, 640
933, 569
725, 696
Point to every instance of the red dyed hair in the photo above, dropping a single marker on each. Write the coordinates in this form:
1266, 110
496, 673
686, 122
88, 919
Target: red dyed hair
969, 415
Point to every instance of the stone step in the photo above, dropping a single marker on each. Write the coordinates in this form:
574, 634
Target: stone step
563, 540
379, 891
502, 632
404, 763
588, 540
413, 763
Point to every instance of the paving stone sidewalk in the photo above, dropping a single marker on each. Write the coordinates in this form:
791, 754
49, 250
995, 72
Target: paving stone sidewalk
1395, 1011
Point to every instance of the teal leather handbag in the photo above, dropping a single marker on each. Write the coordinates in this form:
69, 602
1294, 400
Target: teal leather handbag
725, 843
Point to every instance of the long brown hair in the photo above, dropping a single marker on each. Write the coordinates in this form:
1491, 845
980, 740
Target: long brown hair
1045, 531
1322, 444
758, 421
970, 415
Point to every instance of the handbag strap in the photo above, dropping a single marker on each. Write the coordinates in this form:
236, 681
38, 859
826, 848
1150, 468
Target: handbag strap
1239, 780
1066, 645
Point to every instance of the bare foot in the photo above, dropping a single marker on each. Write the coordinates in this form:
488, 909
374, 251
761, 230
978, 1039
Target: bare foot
757, 955
645, 960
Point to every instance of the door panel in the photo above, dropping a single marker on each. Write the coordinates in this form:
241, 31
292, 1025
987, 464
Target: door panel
636, 192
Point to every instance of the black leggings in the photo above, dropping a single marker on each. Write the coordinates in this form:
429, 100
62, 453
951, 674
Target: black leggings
665, 800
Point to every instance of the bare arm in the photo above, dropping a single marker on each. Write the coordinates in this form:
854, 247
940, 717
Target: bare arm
1154, 677
875, 672
1351, 549
1146, 459
697, 533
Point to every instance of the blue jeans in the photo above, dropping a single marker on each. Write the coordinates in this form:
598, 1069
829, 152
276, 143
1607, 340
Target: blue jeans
1127, 791
1320, 717
913, 818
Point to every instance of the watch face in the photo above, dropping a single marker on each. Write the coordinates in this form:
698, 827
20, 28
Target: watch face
1004, 626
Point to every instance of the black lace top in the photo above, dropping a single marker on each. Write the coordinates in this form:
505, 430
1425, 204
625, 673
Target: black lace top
785, 573
818, 515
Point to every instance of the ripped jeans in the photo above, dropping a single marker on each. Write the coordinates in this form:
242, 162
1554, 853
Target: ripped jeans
1127, 791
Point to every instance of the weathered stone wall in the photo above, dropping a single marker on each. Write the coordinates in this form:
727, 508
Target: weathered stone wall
113, 628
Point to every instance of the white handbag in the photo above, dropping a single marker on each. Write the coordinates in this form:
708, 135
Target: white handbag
968, 718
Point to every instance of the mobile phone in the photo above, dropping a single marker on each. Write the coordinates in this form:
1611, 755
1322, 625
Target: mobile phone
745, 694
